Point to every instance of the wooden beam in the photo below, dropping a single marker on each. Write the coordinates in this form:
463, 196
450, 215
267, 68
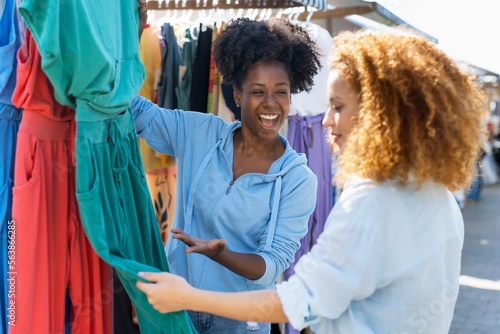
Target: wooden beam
338, 12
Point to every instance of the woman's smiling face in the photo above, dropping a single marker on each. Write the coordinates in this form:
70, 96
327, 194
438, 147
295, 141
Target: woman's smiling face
343, 106
265, 99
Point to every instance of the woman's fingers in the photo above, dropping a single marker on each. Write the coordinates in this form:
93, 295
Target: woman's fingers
152, 277
179, 234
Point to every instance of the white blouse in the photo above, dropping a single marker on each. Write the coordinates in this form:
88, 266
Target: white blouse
387, 262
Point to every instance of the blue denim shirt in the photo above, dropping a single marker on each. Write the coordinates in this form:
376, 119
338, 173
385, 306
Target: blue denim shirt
264, 214
387, 262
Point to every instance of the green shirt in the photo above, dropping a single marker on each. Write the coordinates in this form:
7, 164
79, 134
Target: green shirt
90, 52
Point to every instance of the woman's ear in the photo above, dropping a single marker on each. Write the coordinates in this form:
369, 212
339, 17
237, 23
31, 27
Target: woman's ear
237, 96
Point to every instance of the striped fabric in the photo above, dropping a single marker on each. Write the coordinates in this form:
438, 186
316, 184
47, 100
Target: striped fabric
319, 4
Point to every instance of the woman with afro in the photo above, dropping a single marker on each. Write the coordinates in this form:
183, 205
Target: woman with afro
244, 195
408, 125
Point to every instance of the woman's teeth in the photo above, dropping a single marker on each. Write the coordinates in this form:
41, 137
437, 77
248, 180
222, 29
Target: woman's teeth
268, 116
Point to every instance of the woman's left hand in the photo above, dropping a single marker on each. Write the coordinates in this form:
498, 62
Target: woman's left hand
166, 292
209, 248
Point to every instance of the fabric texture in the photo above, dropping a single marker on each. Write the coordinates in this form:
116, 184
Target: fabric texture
50, 242
93, 71
34, 92
54, 249
201, 70
370, 269
209, 203
118, 215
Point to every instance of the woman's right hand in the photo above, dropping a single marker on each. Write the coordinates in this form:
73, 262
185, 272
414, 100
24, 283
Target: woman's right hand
165, 292
210, 248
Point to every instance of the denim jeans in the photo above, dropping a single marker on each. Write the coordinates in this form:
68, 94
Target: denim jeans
211, 324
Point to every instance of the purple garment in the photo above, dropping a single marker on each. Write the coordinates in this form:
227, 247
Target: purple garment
307, 135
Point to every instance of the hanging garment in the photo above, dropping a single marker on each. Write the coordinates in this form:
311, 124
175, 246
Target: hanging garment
9, 125
151, 58
95, 72
183, 90
315, 101
34, 92
9, 43
118, 215
50, 242
171, 59
201, 71
211, 74
99, 75
307, 135
162, 189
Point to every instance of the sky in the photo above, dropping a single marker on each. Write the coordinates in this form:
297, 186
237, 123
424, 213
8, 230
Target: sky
467, 30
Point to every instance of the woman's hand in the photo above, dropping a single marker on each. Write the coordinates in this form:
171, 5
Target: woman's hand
143, 16
171, 293
210, 248
166, 292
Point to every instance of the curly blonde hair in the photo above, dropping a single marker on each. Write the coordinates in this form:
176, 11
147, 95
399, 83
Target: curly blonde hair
419, 116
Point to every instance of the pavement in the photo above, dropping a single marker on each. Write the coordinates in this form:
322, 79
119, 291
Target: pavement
478, 306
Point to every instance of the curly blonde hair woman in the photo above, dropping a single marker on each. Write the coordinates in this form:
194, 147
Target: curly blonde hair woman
408, 124
419, 115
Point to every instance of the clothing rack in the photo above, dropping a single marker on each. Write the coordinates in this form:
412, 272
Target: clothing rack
298, 9
222, 4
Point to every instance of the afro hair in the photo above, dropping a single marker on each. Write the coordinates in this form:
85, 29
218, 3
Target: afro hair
244, 42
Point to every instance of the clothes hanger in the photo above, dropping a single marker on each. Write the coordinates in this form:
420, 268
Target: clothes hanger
311, 11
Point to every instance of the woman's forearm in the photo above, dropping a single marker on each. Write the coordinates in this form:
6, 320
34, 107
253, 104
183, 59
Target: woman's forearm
250, 266
170, 293
258, 306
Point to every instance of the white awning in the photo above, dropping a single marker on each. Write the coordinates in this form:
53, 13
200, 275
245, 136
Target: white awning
318, 4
